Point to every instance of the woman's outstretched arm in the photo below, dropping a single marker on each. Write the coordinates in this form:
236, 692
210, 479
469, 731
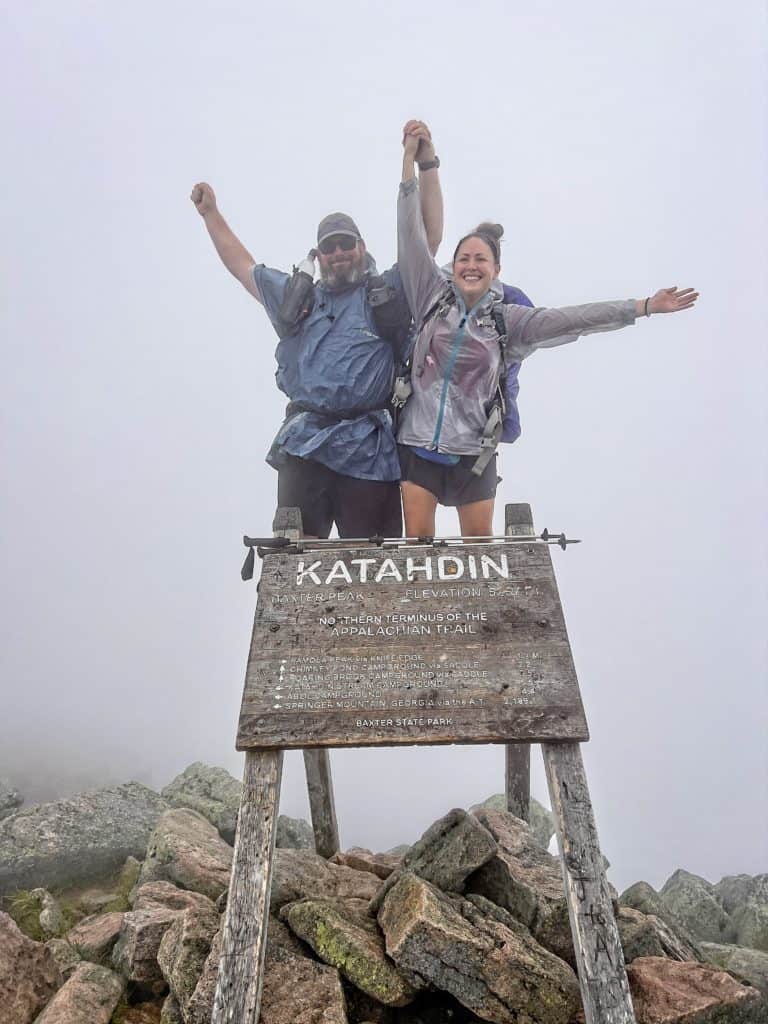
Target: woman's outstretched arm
422, 279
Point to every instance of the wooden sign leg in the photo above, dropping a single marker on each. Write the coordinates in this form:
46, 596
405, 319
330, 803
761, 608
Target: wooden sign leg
244, 936
599, 957
322, 806
518, 522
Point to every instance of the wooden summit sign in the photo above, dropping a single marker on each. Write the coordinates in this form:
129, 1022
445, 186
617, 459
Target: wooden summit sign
416, 644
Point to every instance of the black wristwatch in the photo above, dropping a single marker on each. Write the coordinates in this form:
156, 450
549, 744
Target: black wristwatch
430, 165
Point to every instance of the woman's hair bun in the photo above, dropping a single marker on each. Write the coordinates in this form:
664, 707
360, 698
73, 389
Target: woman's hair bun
489, 228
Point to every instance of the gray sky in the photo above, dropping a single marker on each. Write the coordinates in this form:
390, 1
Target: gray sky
624, 150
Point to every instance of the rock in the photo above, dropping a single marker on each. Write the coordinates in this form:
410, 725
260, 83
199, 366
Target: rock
526, 881
542, 823
361, 1007
71, 842
165, 895
750, 919
478, 954
750, 964
643, 897
187, 850
29, 974
65, 954
210, 791
693, 902
380, 864
135, 953
298, 874
171, 1012
183, 951
667, 992
647, 935
142, 1013
89, 996
294, 834
446, 855
95, 937
10, 798
297, 989
736, 890
343, 935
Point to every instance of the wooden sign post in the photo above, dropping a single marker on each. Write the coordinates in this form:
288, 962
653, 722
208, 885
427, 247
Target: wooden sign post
413, 644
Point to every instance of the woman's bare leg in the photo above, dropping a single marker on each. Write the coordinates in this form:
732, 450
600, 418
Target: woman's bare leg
476, 519
419, 507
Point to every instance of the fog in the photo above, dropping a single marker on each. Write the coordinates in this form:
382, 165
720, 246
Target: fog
623, 149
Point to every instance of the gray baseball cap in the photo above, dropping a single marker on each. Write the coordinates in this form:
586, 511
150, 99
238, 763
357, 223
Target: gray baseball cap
336, 224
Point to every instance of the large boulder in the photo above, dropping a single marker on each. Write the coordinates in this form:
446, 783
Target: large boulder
477, 953
29, 974
10, 798
446, 855
668, 992
65, 954
210, 791
187, 850
735, 891
380, 864
343, 935
542, 823
95, 937
89, 996
184, 949
647, 935
300, 874
750, 964
71, 842
750, 918
693, 902
294, 834
296, 989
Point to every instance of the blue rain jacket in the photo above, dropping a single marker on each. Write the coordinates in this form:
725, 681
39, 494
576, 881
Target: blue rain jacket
335, 361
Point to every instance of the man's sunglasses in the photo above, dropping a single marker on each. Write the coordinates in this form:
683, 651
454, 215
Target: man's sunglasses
344, 242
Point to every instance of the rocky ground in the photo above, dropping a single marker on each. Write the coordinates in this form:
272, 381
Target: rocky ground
112, 904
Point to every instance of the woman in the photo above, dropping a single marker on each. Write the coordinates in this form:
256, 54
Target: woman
459, 359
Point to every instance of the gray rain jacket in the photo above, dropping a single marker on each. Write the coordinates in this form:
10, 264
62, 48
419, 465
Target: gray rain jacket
456, 360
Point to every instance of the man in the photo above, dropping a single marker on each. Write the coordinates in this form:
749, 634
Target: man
335, 453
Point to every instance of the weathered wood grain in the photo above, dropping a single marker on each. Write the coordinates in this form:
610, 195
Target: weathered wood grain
322, 806
518, 522
599, 957
238, 991
492, 650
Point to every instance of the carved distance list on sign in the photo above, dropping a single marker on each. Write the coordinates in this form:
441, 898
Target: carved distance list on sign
418, 644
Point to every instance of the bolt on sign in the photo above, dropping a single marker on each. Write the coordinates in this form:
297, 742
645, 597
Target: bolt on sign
373, 646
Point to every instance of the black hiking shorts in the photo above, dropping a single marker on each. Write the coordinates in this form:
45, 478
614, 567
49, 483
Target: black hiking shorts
359, 508
451, 485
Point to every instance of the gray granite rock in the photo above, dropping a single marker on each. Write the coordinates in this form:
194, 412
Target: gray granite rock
294, 834
736, 890
184, 949
89, 996
29, 974
165, 895
10, 798
693, 902
477, 953
297, 990
446, 855
542, 823
210, 791
668, 992
750, 912
65, 954
300, 874
647, 935
188, 851
380, 864
750, 964
75, 841
171, 1012
135, 953
343, 935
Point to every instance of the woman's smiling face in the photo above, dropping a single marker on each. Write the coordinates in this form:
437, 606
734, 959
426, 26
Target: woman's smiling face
474, 268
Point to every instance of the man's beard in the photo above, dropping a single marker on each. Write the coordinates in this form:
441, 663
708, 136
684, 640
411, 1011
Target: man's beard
343, 275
